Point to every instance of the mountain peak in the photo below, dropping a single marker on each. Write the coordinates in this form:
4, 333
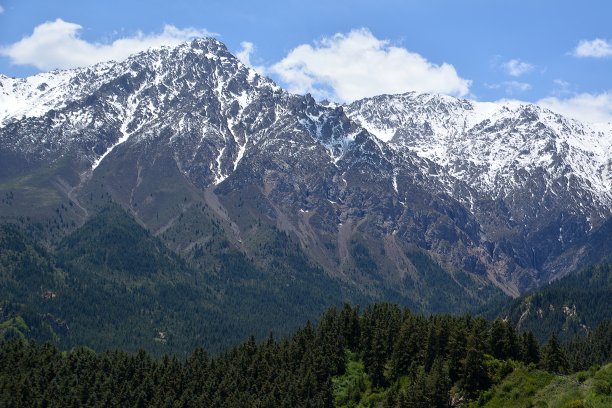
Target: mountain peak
423, 169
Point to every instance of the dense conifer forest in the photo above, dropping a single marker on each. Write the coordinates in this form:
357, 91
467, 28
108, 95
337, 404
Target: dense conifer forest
113, 287
112, 284
383, 356
573, 305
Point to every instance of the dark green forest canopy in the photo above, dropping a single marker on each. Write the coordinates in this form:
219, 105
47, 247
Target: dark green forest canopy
79, 293
111, 284
384, 356
573, 305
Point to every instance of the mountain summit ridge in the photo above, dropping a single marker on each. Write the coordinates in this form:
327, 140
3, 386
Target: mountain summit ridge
442, 128
359, 186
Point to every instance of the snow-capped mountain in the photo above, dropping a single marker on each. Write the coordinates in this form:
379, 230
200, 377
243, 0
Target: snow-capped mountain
199, 89
492, 193
488, 145
552, 176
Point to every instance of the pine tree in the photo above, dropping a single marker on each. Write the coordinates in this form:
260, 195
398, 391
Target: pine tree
406, 349
553, 358
376, 367
456, 352
502, 340
416, 394
529, 350
474, 373
349, 318
438, 384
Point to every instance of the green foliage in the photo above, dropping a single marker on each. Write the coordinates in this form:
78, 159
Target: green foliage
534, 388
112, 242
339, 361
14, 327
596, 348
553, 357
569, 306
111, 284
517, 390
475, 376
349, 387
459, 289
362, 258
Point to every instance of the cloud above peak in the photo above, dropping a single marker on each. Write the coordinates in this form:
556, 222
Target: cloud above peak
597, 48
58, 45
516, 67
244, 55
346, 67
511, 87
588, 107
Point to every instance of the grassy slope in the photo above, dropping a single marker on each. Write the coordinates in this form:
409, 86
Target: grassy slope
535, 388
523, 387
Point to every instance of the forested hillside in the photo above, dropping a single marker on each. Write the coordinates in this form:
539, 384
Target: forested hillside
573, 305
113, 287
111, 284
385, 357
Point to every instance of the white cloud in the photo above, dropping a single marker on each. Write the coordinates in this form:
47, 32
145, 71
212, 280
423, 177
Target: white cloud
511, 87
350, 66
1, 9
597, 48
244, 55
561, 87
57, 44
593, 108
564, 85
516, 67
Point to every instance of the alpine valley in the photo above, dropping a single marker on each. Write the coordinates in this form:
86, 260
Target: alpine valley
178, 198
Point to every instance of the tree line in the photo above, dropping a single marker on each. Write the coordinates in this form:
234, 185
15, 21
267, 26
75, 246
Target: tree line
407, 360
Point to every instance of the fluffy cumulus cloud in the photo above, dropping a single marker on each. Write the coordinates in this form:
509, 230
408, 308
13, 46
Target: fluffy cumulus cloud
347, 67
594, 108
244, 55
57, 44
597, 48
516, 67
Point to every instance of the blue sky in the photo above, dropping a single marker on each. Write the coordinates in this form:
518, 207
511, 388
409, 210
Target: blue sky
557, 52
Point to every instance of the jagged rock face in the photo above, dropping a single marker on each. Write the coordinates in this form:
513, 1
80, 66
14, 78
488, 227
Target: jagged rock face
191, 98
498, 149
538, 183
496, 191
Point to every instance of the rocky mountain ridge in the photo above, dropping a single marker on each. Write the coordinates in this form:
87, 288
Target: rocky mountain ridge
492, 194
